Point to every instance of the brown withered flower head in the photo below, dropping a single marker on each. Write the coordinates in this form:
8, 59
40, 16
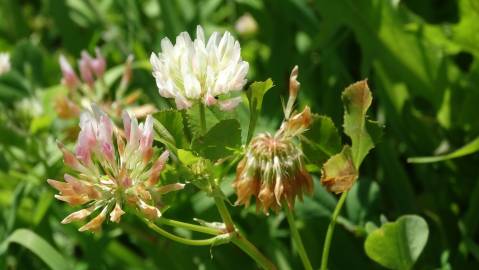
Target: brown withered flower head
110, 175
272, 169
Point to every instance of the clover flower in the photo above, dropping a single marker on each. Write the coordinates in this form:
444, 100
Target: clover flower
90, 88
4, 63
200, 70
110, 175
272, 169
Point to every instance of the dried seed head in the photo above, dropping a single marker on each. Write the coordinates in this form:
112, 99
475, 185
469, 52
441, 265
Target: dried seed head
273, 172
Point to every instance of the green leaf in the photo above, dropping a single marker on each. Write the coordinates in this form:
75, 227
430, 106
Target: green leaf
219, 141
357, 98
321, 140
467, 149
187, 157
194, 121
172, 122
339, 173
255, 94
39, 247
397, 245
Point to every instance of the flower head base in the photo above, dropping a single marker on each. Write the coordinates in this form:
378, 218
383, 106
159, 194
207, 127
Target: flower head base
4, 63
199, 70
112, 174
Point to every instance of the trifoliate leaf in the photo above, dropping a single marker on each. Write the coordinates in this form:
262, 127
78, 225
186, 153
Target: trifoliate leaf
397, 245
219, 141
194, 120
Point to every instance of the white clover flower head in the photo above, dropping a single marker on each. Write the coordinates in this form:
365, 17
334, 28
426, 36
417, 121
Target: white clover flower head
110, 175
4, 63
199, 70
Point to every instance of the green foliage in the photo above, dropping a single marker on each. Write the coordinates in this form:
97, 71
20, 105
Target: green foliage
397, 245
421, 61
219, 141
321, 140
38, 246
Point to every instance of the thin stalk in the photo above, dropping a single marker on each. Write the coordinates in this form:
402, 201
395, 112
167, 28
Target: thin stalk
189, 226
202, 118
241, 241
253, 252
329, 233
185, 241
225, 214
251, 127
297, 239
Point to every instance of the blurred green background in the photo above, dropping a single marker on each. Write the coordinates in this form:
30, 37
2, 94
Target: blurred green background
421, 59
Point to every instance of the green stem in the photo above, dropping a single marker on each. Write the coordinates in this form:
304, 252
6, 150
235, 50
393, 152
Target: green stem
191, 242
241, 241
253, 252
189, 226
225, 214
329, 233
202, 118
251, 127
297, 239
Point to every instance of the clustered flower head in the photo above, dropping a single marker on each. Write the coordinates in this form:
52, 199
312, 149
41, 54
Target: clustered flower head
4, 63
90, 88
272, 169
200, 70
113, 168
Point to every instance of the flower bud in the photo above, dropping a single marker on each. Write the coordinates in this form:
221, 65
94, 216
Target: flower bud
70, 79
84, 64
98, 64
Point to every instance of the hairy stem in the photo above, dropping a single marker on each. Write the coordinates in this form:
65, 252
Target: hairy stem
297, 239
329, 233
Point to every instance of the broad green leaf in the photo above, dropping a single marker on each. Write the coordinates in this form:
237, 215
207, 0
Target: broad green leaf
321, 140
339, 173
194, 121
357, 98
467, 149
219, 141
397, 245
39, 247
172, 121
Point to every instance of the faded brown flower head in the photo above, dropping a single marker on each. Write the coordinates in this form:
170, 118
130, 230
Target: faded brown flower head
272, 169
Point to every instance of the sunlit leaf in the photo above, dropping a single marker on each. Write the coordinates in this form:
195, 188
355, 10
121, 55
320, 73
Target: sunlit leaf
397, 245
